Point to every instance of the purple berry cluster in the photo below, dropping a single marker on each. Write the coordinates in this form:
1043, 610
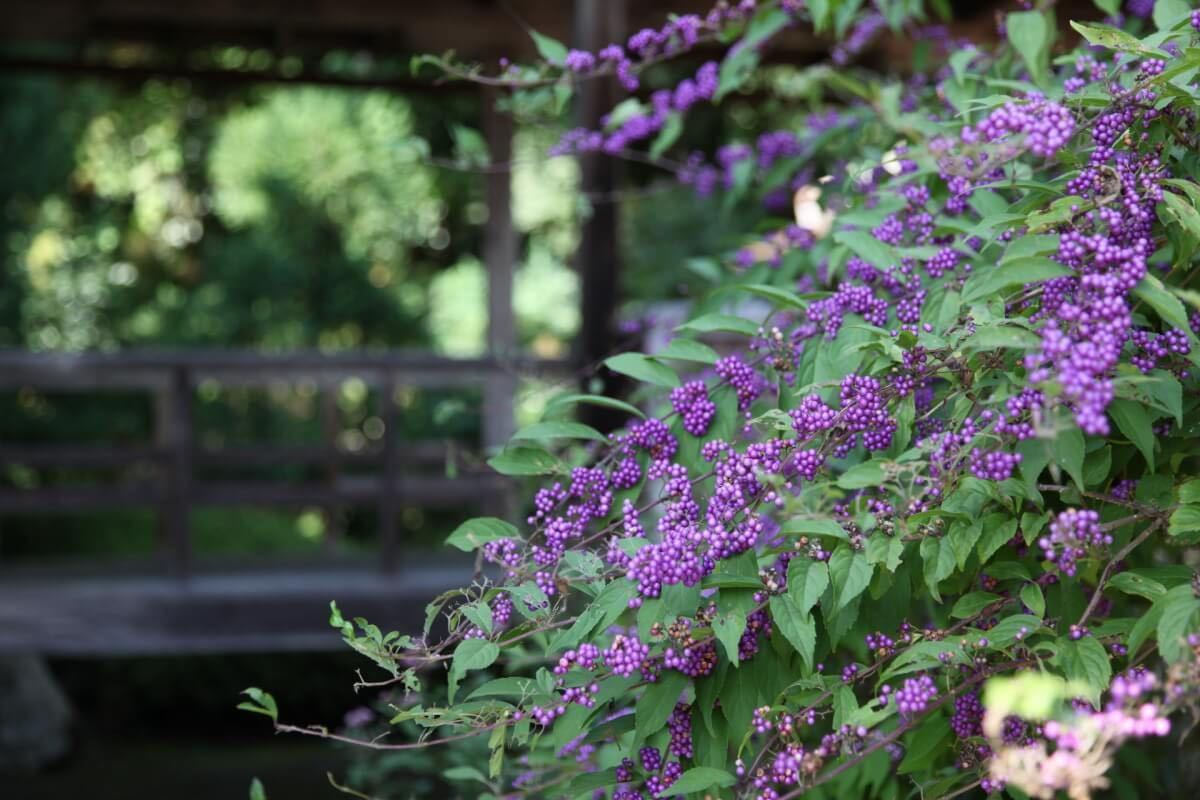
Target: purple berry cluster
1074, 534
692, 404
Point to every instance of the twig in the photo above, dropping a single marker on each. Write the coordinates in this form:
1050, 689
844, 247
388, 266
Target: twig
323, 733
1112, 564
961, 791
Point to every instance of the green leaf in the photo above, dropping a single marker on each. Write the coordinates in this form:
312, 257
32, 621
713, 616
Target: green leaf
728, 627
505, 687
525, 461
720, 323
1184, 211
1169, 12
559, 430
1015, 272
260, 703
1152, 291
474, 533
997, 531
1114, 39
845, 705
471, 654
1069, 452
1133, 421
780, 297
1034, 600
938, 556
815, 527
1000, 337
1031, 33
643, 368
807, 581
1179, 607
667, 135
886, 550
596, 400
924, 745
860, 476
1145, 627
1189, 492
850, 573
551, 50
797, 626
257, 792
1086, 662
657, 702
1130, 582
689, 350
1184, 521
962, 538
701, 779
971, 604
868, 248
1023, 247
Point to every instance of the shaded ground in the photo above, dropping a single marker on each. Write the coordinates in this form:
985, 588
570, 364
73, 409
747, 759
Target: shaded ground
114, 769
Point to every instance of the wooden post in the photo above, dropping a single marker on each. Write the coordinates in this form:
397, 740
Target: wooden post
330, 425
388, 506
500, 255
598, 22
179, 437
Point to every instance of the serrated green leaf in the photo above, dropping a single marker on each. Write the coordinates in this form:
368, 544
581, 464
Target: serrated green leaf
559, 430
971, 604
1179, 607
868, 248
814, 527
701, 779
720, 323
1130, 582
850, 573
688, 350
1133, 421
518, 461
860, 476
657, 702
1013, 272
798, 627
552, 50
1084, 661
1152, 291
728, 627
997, 532
938, 557
643, 368
1034, 600
474, 533
596, 400
807, 581
1185, 522
471, 654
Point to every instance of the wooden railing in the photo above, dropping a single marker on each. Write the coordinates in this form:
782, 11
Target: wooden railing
386, 476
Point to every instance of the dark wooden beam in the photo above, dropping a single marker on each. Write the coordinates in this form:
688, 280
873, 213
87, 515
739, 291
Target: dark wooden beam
248, 611
598, 258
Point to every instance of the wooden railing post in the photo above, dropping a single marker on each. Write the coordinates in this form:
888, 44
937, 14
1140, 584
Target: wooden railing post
180, 440
500, 254
330, 427
388, 504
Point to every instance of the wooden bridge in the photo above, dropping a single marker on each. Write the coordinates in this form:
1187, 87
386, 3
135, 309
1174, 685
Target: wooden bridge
181, 602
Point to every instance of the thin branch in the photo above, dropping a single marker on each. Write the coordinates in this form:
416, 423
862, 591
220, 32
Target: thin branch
373, 744
1112, 564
